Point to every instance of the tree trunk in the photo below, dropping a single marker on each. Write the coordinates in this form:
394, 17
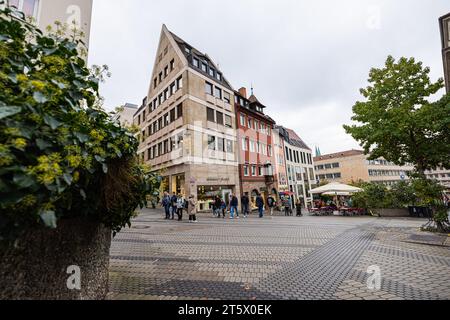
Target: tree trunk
37, 268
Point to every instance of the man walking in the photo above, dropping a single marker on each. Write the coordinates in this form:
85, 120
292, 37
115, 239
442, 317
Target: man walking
260, 205
217, 207
234, 203
180, 207
173, 201
245, 201
166, 204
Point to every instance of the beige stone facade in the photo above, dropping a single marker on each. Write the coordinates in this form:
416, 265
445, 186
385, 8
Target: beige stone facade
187, 132
46, 12
353, 166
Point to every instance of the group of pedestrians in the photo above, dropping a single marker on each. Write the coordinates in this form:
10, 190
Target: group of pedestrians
289, 209
177, 204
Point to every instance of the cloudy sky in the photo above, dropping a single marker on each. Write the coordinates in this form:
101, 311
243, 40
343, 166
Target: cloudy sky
306, 59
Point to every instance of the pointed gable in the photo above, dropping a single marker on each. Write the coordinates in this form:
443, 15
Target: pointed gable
195, 58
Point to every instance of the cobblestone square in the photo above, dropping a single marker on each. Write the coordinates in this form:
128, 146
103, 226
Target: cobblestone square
278, 258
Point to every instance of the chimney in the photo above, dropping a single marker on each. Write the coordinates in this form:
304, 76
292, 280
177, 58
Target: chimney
243, 92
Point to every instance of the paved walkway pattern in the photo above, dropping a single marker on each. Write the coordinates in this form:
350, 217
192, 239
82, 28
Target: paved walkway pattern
309, 258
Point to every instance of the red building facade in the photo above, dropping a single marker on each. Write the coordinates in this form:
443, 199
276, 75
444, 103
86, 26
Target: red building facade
256, 148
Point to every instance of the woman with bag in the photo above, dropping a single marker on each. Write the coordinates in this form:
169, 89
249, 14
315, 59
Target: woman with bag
192, 209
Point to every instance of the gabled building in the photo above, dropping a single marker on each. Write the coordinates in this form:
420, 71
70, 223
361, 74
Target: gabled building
299, 164
46, 12
188, 123
256, 151
125, 114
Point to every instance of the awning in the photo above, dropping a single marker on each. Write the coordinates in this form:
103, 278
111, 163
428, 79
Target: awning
335, 188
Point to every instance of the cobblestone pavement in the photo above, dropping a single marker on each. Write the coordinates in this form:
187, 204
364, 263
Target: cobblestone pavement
308, 258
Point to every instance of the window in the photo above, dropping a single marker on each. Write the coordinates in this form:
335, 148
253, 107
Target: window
242, 120
180, 82
166, 94
166, 71
228, 121
246, 173
212, 72
269, 150
221, 144
155, 83
227, 97
255, 125
229, 146
196, 62
254, 171
260, 171
252, 146
210, 115
212, 143
249, 123
244, 144
218, 93
219, 76
28, 7
172, 65
187, 49
219, 117
179, 111
173, 88
208, 88
336, 165
172, 115
160, 77
204, 67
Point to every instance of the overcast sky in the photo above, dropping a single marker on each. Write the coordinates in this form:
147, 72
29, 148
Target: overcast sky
306, 59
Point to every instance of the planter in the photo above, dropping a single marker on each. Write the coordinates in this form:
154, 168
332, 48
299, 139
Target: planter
390, 213
37, 269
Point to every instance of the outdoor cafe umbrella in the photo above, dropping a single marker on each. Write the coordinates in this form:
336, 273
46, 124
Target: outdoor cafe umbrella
336, 188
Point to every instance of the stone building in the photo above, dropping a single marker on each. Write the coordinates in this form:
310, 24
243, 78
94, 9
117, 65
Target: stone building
188, 123
444, 23
353, 166
299, 165
46, 12
125, 115
256, 152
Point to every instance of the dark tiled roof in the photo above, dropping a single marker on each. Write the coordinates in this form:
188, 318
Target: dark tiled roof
252, 101
202, 57
293, 138
336, 155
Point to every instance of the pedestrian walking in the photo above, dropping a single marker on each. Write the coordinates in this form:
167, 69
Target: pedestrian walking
271, 204
173, 201
166, 203
287, 208
245, 202
224, 208
192, 209
298, 205
180, 207
260, 205
234, 203
217, 207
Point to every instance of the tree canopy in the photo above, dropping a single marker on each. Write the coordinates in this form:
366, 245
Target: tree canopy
398, 122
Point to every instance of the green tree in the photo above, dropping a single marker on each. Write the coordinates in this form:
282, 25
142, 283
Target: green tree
61, 155
398, 122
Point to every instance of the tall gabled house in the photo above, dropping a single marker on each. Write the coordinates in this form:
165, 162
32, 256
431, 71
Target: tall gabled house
187, 122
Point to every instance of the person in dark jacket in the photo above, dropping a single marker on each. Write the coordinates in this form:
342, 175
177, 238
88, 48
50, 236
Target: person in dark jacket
173, 201
271, 204
245, 201
217, 206
298, 206
260, 205
166, 203
234, 203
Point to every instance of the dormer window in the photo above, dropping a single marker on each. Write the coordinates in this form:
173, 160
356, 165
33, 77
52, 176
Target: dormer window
212, 72
187, 49
219, 76
196, 62
204, 67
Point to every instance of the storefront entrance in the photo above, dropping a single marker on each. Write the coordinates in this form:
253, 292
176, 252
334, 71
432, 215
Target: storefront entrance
207, 195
